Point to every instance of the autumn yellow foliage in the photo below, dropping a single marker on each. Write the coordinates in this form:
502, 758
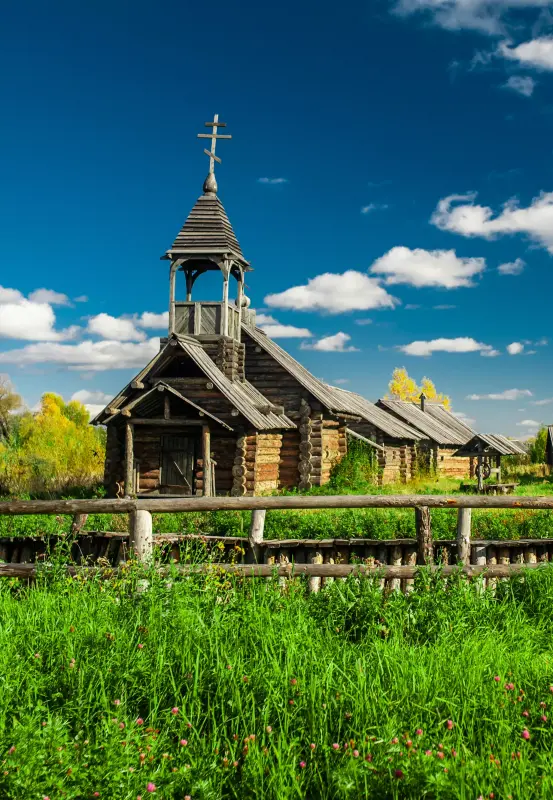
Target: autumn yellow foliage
52, 450
403, 387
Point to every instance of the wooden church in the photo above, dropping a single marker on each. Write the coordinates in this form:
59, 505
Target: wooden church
222, 409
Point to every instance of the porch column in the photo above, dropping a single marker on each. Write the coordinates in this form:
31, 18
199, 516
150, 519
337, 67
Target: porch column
129, 459
172, 277
206, 456
498, 467
239, 297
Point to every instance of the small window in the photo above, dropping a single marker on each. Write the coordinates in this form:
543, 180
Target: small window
441, 458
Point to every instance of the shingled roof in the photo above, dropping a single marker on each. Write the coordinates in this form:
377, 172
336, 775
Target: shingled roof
206, 231
436, 422
491, 444
334, 399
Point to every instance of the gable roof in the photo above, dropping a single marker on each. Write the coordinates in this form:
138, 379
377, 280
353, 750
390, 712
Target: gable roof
336, 400
242, 395
492, 443
147, 400
435, 421
207, 230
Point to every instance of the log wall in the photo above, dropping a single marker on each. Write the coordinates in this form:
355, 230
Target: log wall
288, 473
267, 461
397, 463
334, 446
453, 467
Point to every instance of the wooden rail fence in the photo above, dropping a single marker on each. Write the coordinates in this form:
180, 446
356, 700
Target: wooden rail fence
395, 561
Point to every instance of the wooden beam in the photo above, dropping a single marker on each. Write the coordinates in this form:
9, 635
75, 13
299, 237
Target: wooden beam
129, 460
137, 385
156, 422
206, 456
425, 548
166, 406
463, 535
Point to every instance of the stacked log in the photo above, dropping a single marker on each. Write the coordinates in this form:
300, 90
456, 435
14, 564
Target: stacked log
306, 447
334, 446
267, 458
230, 358
239, 470
288, 473
147, 451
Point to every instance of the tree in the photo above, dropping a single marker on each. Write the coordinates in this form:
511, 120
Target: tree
9, 402
536, 451
53, 450
403, 387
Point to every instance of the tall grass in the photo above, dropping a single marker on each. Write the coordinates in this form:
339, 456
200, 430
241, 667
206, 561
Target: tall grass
208, 689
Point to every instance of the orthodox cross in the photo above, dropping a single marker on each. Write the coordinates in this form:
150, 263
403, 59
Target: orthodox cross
213, 136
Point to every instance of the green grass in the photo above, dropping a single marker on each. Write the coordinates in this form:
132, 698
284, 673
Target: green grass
259, 674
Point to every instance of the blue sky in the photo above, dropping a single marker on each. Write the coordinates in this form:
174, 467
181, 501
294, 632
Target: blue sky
406, 147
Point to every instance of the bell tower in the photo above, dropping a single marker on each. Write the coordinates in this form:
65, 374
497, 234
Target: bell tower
207, 243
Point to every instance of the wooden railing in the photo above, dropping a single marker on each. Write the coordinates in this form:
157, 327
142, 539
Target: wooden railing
395, 560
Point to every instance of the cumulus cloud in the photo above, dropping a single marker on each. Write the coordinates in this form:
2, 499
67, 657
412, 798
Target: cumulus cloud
536, 53
463, 417
341, 381
335, 293
94, 402
148, 319
489, 17
515, 348
546, 402
276, 330
528, 423
468, 219
82, 298
272, 181
119, 329
427, 268
521, 84
49, 296
94, 356
508, 394
512, 267
363, 322
462, 344
23, 318
338, 343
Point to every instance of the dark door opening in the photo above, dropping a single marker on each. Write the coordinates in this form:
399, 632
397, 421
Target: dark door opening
178, 459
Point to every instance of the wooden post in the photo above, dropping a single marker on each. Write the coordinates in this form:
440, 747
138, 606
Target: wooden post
464, 516
78, 523
206, 456
410, 561
224, 310
129, 460
480, 560
425, 548
257, 526
395, 583
239, 298
172, 276
141, 538
315, 557
498, 467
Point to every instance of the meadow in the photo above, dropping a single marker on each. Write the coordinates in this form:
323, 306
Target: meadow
205, 688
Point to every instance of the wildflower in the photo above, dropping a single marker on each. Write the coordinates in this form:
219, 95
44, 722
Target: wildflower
117, 702
525, 734
302, 765
408, 743
543, 718
428, 752
140, 646
525, 713
150, 787
449, 724
121, 725
440, 755
312, 746
356, 753
235, 763
269, 729
139, 721
245, 679
183, 742
11, 750
542, 704
440, 746
398, 774
229, 666
174, 711
72, 663
291, 702
368, 757
509, 687
418, 732
454, 753
395, 740
293, 681
335, 746
37, 655
497, 678
187, 797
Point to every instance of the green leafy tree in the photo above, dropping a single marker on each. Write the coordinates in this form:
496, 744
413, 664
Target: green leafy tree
9, 402
536, 450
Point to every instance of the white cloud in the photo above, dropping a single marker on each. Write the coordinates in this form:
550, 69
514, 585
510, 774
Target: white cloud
515, 348
332, 344
94, 402
528, 423
341, 381
87, 355
546, 402
463, 417
363, 322
443, 307
521, 84
536, 53
148, 319
275, 330
462, 344
272, 181
512, 267
21, 318
82, 298
508, 394
49, 296
468, 219
335, 293
373, 207
412, 307
427, 268
485, 16
115, 328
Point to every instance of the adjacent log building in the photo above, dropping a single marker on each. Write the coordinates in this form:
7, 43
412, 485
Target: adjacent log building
223, 409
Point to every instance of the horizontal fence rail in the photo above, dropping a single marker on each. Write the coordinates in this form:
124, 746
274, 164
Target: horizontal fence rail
394, 561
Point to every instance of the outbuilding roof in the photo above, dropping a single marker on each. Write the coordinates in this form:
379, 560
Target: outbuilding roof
491, 444
435, 422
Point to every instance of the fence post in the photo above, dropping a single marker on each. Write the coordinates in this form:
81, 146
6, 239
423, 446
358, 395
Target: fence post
316, 557
464, 518
425, 549
257, 526
141, 537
